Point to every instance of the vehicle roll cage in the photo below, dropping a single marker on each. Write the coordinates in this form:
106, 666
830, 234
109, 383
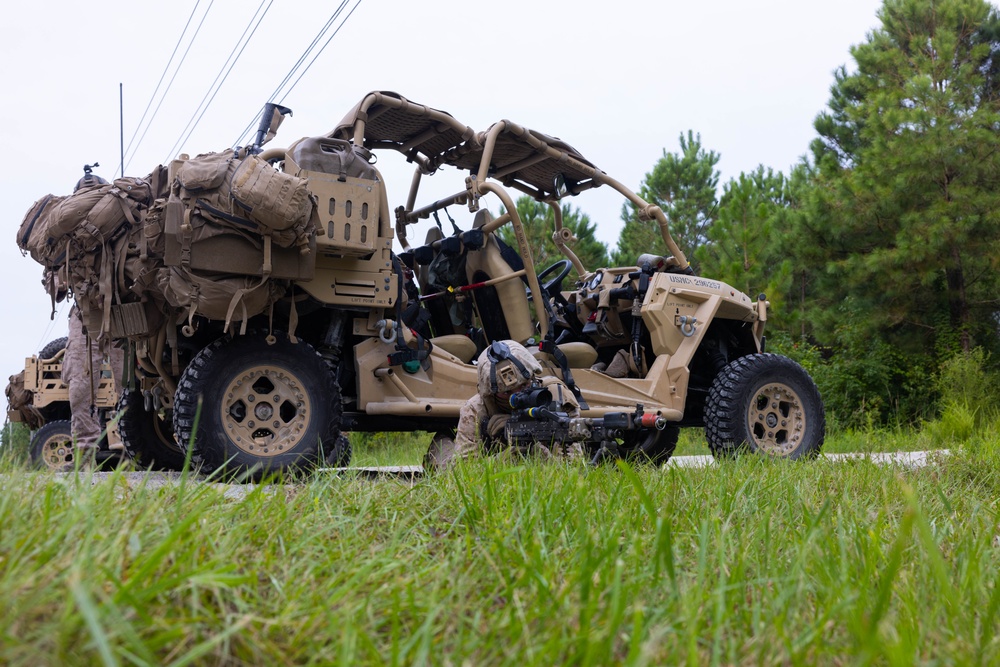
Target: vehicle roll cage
506, 155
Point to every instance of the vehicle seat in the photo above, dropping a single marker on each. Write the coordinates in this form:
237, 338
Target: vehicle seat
433, 234
503, 308
458, 345
443, 321
579, 354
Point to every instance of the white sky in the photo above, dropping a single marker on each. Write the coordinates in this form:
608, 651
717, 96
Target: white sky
619, 81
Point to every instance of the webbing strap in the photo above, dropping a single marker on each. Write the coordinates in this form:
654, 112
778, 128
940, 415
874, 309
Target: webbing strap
293, 320
107, 290
174, 357
120, 249
238, 298
90, 369
560, 357
405, 353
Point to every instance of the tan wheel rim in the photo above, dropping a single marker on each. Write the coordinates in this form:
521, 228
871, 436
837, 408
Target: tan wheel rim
777, 419
265, 411
57, 451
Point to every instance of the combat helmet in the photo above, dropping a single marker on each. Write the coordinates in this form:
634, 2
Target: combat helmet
506, 366
89, 179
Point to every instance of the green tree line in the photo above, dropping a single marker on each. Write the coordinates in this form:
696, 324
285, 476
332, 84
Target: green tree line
879, 250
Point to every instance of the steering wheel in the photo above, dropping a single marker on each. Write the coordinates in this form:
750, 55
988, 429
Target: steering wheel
553, 288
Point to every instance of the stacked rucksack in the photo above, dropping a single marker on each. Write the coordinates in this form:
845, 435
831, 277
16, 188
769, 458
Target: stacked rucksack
219, 235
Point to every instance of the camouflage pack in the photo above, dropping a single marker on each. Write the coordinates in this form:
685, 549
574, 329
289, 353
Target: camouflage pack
20, 402
231, 192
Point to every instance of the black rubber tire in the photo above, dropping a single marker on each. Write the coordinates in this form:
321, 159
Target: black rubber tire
52, 348
234, 379
764, 403
655, 448
51, 446
148, 440
339, 456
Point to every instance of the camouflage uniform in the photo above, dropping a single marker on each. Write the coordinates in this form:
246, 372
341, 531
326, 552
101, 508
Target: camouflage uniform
83, 357
490, 405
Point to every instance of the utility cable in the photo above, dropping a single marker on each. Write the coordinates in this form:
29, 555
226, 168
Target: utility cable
121, 167
203, 105
312, 45
171, 83
291, 72
58, 316
322, 31
289, 91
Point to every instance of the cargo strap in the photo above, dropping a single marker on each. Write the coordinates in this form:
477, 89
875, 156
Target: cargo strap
403, 351
640, 296
171, 338
406, 353
560, 357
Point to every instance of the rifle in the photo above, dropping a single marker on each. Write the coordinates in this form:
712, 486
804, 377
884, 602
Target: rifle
534, 420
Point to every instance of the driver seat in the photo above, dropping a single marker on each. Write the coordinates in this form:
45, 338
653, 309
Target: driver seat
503, 308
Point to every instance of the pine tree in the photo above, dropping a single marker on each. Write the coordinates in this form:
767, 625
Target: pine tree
905, 210
539, 223
684, 186
742, 247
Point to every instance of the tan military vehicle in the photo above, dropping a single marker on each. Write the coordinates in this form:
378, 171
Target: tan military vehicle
38, 398
268, 311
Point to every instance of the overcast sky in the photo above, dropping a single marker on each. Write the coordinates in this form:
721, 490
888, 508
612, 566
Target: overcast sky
620, 81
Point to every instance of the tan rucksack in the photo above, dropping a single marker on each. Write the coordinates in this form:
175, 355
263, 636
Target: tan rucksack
245, 193
20, 400
87, 219
227, 239
33, 236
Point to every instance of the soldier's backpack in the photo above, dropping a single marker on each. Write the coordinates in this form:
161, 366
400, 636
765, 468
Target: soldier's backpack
83, 237
56, 228
19, 400
246, 194
228, 237
33, 235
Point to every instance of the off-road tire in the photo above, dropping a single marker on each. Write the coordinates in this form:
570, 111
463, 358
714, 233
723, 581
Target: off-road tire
339, 456
764, 403
51, 446
233, 379
52, 348
654, 448
148, 440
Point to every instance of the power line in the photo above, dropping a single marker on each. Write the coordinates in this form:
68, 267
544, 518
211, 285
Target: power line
171, 83
56, 317
298, 63
312, 45
288, 75
203, 105
121, 167
288, 92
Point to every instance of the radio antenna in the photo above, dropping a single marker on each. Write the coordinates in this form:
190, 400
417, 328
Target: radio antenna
121, 127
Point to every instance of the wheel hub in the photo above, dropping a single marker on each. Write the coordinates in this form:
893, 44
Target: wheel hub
265, 411
777, 419
57, 452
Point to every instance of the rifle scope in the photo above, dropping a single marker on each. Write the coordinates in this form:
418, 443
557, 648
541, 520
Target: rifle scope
537, 397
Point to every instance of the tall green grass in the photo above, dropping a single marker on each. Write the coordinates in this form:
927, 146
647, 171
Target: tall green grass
498, 562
